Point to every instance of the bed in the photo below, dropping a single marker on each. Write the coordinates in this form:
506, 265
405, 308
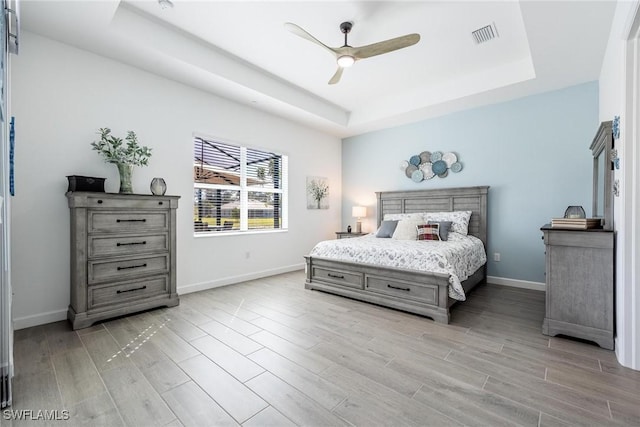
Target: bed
426, 293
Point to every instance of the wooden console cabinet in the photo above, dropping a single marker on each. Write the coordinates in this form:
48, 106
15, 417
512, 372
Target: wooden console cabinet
579, 284
123, 255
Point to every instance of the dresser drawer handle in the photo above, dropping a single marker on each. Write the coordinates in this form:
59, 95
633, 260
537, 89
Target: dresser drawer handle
132, 220
132, 290
99, 202
144, 242
160, 203
398, 287
132, 266
335, 276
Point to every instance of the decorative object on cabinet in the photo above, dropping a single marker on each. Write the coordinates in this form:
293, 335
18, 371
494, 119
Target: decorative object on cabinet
579, 284
158, 187
427, 164
616, 188
359, 212
616, 127
123, 255
85, 183
603, 175
123, 156
348, 229
575, 212
317, 192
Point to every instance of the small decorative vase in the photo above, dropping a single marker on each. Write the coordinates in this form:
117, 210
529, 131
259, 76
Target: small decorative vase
125, 170
574, 212
158, 187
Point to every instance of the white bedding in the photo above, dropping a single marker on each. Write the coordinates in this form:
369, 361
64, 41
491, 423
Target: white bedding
459, 257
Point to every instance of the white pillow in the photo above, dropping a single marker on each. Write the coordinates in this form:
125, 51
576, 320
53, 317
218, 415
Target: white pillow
407, 229
400, 216
459, 219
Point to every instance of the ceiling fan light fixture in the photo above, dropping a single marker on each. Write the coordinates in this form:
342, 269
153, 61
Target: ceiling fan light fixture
346, 61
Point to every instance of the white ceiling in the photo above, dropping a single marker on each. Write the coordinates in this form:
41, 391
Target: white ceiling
241, 50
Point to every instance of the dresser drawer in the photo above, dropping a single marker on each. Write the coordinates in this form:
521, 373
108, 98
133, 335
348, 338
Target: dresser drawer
425, 293
100, 245
107, 295
351, 280
123, 269
127, 221
126, 202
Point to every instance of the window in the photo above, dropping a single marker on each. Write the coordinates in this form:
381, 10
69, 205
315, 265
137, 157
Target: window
237, 188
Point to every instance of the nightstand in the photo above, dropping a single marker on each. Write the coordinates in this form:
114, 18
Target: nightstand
346, 235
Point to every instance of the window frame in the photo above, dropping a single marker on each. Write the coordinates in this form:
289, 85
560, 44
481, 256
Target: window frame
244, 189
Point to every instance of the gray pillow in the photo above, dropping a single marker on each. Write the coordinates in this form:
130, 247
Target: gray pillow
444, 228
387, 228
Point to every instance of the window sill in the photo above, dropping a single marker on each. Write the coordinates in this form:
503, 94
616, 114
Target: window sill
237, 233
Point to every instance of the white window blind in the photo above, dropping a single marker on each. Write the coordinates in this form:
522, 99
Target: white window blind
238, 188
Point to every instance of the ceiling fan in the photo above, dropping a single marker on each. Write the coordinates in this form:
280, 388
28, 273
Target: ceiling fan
347, 55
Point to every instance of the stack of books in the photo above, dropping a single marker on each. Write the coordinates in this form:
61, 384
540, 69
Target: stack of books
577, 223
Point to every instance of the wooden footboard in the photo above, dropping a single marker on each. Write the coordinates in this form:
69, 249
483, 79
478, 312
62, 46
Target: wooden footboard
425, 294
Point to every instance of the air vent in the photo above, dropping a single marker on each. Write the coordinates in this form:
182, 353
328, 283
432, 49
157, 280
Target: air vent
484, 34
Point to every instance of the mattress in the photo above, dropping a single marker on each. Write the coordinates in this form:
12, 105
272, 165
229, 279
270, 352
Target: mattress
459, 257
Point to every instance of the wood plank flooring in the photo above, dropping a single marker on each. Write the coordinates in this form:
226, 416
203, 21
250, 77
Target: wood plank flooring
270, 353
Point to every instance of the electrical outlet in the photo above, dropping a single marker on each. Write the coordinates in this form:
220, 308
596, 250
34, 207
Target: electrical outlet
496, 256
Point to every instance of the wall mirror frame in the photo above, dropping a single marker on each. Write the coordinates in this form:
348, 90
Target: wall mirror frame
603, 175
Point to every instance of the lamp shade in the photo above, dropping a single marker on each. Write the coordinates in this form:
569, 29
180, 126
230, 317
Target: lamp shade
359, 211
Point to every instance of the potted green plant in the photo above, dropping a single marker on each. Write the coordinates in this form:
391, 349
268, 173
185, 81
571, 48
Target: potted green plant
124, 156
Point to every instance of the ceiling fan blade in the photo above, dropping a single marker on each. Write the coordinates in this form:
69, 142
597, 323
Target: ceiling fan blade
336, 77
298, 31
385, 46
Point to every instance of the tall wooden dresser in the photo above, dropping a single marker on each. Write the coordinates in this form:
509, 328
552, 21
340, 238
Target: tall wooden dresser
579, 284
123, 255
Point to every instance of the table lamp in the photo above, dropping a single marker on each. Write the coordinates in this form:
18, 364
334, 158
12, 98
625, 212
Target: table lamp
359, 212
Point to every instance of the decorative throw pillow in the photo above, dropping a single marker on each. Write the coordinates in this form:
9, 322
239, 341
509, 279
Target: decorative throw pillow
407, 229
386, 229
459, 220
399, 216
444, 227
428, 232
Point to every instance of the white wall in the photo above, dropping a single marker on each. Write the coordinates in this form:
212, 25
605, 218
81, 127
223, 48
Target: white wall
61, 96
613, 100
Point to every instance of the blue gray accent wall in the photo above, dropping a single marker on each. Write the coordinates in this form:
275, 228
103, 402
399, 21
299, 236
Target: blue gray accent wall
533, 152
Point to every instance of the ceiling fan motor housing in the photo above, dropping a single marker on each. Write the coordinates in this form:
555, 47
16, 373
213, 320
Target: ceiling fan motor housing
345, 27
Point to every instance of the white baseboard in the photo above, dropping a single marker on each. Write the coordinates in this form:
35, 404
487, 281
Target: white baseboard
55, 316
39, 319
196, 287
515, 283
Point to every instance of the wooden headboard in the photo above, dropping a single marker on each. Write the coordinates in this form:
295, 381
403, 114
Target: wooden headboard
439, 200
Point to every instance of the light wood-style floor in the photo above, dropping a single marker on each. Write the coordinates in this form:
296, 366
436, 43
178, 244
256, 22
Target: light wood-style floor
269, 352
